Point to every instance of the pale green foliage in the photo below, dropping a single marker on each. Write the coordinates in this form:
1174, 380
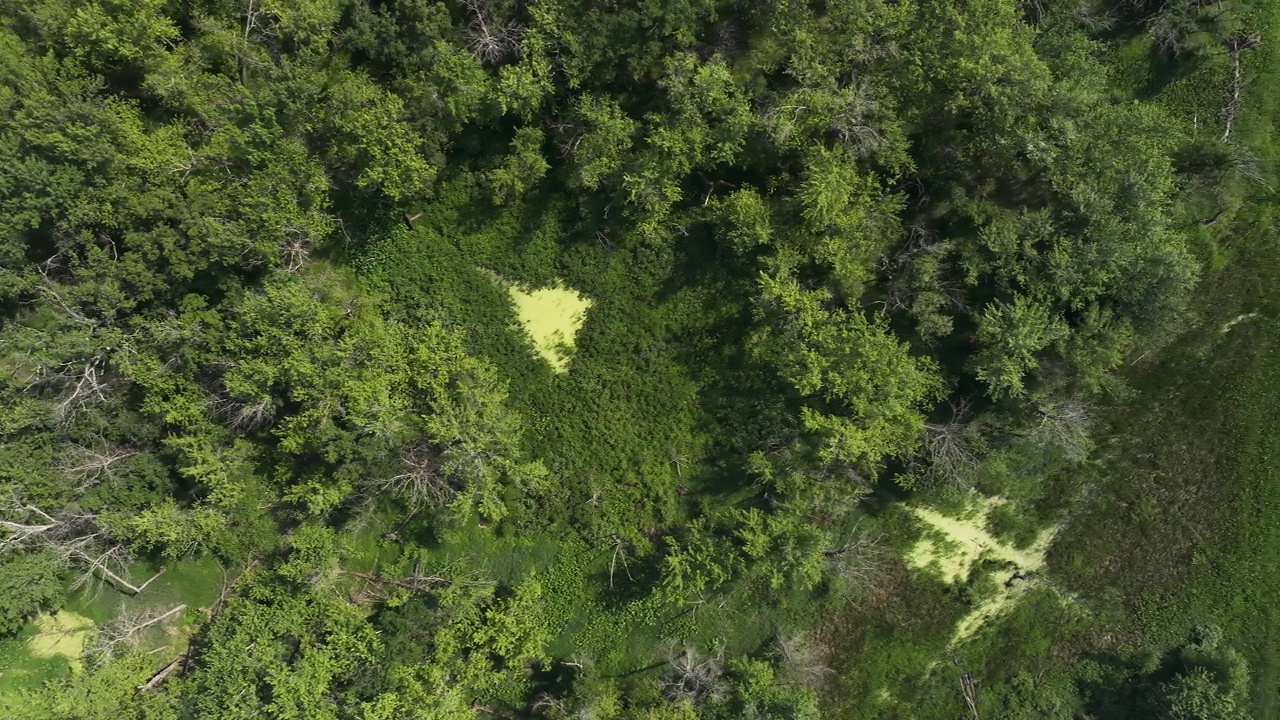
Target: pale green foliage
1196, 696
873, 390
783, 549
1011, 334
701, 562
107, 691
107, 33
373, 141
597, 138
522, 168
29, 583
847, 217
328, 639
176, 530
747, 222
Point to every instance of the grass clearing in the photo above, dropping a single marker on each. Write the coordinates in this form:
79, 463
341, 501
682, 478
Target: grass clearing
53, 645
954, 546
63, 634
552, 317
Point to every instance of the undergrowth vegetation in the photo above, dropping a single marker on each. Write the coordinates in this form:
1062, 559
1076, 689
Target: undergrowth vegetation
665, 361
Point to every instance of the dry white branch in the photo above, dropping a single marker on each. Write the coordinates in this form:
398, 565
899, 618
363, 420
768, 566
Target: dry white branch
804, 658
90, 385
424, 480
692, 677
126, 630
1065, 424
166, 672
76, 539
492, 40
1236, 45
88, 466
859, 562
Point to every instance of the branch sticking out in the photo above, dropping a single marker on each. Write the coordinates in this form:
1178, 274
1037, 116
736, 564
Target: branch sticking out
1236, 45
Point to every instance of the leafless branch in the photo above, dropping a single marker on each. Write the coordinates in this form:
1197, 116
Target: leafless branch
159, 677
90, 385
295, 250
244, 414
424, 480
88, 466
126, 630
969, 688
948, 448
491, 39
1065, 424
1236, 45
804, 658
619, 553
690, 676
859, 562
76, 539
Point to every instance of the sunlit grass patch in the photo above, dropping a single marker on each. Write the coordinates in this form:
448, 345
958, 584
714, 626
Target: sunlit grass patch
63, 634
954, 546
552, 317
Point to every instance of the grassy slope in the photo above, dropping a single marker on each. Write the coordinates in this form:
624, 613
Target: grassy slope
1180, 525
1184, 525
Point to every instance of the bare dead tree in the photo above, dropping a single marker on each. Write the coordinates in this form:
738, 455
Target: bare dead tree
381, 588
493, 40
552, 706
258, 22
859, 562
25, 525
1171, 26
76, 539
78, 383
89, 466
969, 689
242, 413
51, 291
846, 475
690, 676
168, 670
1065, 424
126, 631
295, 250
850, 125
567, 134
107, 564
1093, 19
423, 481
496, 711
804, 658
1236, 45
949, 447
249, 415
619, 553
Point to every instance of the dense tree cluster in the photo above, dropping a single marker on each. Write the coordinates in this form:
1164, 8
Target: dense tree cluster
933, 230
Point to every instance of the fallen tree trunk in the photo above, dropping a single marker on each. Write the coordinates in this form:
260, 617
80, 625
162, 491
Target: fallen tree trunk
166, 672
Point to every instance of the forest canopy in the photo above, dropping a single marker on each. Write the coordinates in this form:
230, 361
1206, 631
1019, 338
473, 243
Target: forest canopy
454, 359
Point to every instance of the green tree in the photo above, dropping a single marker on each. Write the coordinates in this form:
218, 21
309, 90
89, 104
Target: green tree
867, 391
29, 583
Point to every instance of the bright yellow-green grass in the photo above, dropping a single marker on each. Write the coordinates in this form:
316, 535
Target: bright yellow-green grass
61, 635
552, 318
954, 545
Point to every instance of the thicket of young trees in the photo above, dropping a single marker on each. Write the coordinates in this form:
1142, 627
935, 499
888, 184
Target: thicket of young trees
930, 229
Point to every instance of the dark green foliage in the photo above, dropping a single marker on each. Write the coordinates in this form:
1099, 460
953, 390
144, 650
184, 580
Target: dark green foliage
842, 256
29, 583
